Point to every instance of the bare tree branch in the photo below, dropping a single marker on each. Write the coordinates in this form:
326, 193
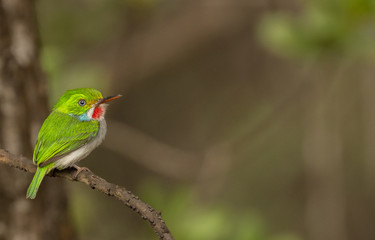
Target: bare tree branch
98, 183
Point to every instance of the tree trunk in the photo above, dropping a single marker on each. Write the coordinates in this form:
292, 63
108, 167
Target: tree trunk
23, 107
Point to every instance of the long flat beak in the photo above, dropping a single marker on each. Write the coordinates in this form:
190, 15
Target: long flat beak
108, 99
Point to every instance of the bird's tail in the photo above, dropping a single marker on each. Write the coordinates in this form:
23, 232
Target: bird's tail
35, 183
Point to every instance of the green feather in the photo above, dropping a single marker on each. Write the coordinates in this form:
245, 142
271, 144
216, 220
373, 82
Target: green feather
37, 180
63, 132
68, 102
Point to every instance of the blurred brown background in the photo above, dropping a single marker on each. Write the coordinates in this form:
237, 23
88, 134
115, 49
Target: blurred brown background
241, 119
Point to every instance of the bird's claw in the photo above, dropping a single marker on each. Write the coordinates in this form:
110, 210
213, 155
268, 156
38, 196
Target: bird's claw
79, 170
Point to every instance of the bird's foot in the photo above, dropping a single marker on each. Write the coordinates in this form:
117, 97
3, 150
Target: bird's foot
79, 170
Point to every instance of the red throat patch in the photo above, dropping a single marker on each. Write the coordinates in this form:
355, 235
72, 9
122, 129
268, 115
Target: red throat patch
98, 112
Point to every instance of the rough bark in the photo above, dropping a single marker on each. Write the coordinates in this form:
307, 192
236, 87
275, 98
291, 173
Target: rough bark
23, 106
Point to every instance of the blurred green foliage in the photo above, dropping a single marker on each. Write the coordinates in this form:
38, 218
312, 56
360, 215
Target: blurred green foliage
322, 28
190, 219
181, 207
70, 40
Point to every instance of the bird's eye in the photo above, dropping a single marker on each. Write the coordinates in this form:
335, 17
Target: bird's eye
82, 102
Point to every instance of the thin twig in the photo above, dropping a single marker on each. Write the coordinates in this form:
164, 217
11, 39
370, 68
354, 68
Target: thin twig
98, 183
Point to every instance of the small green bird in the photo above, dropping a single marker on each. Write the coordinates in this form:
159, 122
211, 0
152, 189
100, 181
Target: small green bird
74, 128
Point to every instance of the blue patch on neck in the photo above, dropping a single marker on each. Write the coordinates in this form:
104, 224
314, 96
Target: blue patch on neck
83, 117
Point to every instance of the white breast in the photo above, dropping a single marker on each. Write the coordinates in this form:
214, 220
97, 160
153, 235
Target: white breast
74, 157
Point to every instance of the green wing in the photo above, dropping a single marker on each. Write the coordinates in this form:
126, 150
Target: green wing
61, 134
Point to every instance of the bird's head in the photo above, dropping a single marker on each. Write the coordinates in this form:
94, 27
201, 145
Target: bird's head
84, 103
